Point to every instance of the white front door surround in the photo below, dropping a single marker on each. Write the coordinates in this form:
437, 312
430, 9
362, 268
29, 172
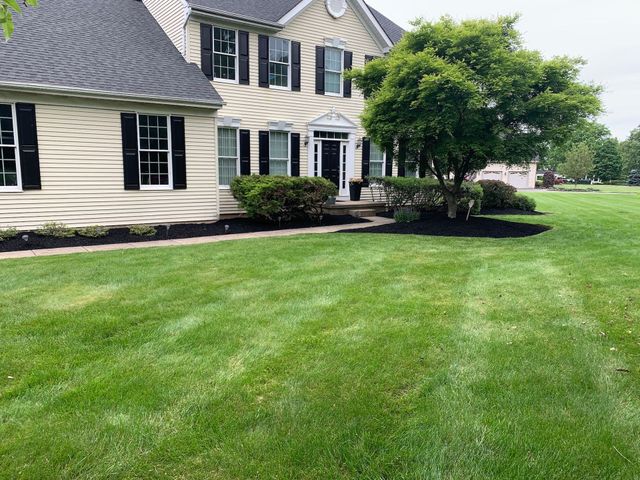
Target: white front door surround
333, 127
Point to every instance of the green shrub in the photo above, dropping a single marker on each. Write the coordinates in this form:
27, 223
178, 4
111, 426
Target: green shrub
419, 193
7, 233
142, 230
522, 202
94, 231
634, 177
56, 229
497, 194
406, 215
280, 199
471, 191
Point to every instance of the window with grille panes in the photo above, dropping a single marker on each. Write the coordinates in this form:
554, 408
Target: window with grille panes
228, 155
376, 161
333, 70
279, 62
225, 50
278, 153
154, 151
9, 166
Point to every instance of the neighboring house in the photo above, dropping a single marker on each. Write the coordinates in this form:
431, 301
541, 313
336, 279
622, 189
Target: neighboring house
519, 176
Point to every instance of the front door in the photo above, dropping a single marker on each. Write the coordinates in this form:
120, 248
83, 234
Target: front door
331, 161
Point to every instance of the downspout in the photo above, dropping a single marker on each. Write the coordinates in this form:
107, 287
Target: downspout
185, 26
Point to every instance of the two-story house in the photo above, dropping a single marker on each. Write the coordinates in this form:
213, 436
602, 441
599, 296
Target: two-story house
121, 112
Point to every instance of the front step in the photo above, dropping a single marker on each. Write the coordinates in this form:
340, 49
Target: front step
362, 213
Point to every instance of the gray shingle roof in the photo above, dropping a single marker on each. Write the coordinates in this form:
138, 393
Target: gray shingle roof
108, 46
274, 10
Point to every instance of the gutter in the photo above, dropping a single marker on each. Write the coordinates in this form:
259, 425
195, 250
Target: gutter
105, 95
234, 17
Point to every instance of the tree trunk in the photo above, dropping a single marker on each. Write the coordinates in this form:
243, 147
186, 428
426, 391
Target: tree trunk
452, 205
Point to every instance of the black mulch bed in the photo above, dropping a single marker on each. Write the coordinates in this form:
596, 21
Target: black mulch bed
122, 235
437, 224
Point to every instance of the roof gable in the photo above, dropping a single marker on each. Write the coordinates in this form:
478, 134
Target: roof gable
106, 47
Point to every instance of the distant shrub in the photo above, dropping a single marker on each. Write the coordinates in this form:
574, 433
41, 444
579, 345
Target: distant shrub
7, 233
634, 177
522, 202
142, 230
56, 229
94, 231
548, 179
280, 199
406, 215
497, 194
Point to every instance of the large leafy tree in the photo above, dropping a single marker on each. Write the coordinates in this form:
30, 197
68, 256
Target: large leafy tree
455, 96
578, 162
630, 150
607, 161
7, 9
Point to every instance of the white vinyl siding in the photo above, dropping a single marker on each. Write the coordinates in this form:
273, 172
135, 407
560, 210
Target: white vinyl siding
376, 161
9, 157
228, 155
154, 146
279, 62
333, 70
279, 153
225, 51
171, 15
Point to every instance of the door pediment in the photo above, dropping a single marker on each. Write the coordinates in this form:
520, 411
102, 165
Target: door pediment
333, 121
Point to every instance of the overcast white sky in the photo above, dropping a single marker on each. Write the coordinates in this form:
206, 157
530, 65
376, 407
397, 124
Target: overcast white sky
606, 33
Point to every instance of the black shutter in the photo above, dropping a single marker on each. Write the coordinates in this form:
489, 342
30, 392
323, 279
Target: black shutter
320, 70
206, 50
28, 146
366, 157
348, 64
178, 154
368, 58
243, 57
263, 146
130, 151
295, 154
295, 66
263, 58
388, 168
245, 152
402, 158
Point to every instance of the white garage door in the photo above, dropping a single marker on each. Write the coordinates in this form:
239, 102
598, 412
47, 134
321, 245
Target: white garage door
491, 175
519, 179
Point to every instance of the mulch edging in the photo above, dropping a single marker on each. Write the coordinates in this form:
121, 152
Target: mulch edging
169, 232
438, 225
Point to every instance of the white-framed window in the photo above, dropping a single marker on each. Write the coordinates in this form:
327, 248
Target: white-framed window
279, 62
333, 64
376, 161
225, 54
279, 153
9, 154
154, 152
228, 155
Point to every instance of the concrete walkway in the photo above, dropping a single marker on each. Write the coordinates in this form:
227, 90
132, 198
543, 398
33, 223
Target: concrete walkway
373, 221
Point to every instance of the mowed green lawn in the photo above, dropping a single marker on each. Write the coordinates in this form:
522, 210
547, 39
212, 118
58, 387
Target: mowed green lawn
601, 188
332, 357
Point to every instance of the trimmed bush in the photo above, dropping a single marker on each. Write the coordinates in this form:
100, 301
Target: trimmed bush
497, 194
406, 215
280, 199
56, 229
95, 231
471, 191
522, 202
548, 179
142, 230
7, 233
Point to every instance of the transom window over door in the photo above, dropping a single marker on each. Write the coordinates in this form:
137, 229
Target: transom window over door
376, 161
9, 170
333, 70
155, 148
224, 53
279, 153
228, 158
279, 62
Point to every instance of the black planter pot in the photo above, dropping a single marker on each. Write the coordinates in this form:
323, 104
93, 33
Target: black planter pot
355, 190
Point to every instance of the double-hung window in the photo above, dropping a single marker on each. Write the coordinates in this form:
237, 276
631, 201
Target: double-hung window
228, 158
9, 164
333, 64
279, 153
225, 51
376, 161
154, 152
279, 62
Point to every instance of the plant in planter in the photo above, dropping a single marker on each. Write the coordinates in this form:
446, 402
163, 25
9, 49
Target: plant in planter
355, 189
